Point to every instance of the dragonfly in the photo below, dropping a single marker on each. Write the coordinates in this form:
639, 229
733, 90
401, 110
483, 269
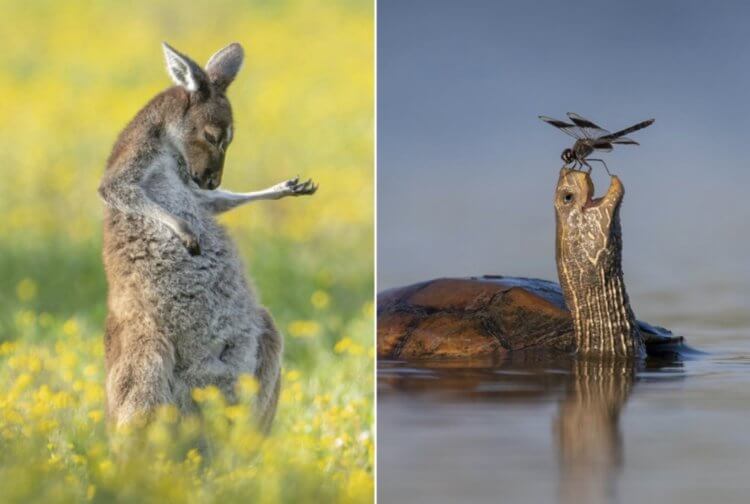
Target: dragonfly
591, 137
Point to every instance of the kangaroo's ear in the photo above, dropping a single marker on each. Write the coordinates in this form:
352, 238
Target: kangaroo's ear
223, 66
184, 71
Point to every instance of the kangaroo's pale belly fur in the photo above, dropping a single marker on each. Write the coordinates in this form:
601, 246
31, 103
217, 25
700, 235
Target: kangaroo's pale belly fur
197, 315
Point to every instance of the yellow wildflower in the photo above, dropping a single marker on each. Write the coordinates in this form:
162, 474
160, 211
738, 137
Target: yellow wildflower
70, 327
292, 375
320, 299
343, 345
304, 328
26, 290
247, 385
96, 415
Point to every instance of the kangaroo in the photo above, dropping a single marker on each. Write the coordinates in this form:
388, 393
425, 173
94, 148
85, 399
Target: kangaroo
181, 313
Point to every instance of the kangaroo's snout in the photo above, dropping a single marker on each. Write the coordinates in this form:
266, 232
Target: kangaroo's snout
208, 178
213, 182
207, 181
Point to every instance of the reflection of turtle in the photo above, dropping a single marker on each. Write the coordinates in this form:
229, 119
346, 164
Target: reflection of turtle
592, 392
491, 315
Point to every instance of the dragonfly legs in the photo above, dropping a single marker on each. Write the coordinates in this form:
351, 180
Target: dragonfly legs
579, 164
575, 165
600, 160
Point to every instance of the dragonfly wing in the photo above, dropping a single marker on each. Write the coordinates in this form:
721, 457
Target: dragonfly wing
624, 141
567, 128
623, 132
589, 128
602, 145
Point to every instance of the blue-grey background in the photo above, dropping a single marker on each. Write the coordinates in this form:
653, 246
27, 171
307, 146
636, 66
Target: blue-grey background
466, 170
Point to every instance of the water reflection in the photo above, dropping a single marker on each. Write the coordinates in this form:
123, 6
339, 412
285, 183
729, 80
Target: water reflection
591, 394
588, 429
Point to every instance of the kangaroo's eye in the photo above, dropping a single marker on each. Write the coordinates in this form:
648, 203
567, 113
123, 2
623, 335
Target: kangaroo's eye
210, 138
568, 197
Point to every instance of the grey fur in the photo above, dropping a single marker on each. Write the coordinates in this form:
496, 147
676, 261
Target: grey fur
223, 66
180, 312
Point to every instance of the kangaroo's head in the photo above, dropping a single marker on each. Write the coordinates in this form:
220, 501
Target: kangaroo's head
203, 131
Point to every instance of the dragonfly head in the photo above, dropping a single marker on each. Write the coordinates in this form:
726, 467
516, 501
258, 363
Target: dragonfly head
567, 156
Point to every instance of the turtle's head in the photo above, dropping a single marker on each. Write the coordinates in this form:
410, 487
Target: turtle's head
585, 224
589, 251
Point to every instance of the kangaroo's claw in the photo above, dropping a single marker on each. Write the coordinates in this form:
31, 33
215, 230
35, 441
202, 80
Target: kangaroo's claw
189, 239
292, 182
192, 245
299, 189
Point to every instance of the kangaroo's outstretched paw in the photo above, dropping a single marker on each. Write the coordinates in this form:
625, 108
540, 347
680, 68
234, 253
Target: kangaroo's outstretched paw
294, 187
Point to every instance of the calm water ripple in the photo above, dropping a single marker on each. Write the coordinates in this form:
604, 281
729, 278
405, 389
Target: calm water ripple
533, 428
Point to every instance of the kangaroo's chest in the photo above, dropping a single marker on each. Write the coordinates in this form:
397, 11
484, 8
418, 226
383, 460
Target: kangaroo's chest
169, 188
203, 297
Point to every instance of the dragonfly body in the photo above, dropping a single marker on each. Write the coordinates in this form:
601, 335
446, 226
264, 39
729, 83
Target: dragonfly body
581, 150
589, 138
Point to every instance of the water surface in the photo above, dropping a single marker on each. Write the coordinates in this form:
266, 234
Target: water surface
539, 429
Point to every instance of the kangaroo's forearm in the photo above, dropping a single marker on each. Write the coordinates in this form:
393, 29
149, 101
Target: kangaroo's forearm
218, 201
126, 193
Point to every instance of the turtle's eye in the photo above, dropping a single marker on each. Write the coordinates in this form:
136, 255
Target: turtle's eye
568, 197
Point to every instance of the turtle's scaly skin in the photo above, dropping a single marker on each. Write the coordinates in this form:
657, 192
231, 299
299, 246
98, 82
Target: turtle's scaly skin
589, 265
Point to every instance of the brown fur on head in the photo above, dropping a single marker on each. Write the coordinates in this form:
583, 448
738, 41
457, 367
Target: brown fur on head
204, 130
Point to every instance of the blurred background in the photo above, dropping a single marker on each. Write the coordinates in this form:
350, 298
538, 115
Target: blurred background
466, 174
72, 75
466, 170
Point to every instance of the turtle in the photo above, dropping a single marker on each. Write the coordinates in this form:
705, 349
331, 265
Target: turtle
588, 313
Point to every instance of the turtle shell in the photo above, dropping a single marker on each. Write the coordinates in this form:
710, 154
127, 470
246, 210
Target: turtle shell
481, 317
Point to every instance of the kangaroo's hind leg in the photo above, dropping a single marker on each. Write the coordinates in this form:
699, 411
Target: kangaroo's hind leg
140, 365
268, 374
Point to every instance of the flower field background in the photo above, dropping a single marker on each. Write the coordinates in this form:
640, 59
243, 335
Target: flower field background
72, 74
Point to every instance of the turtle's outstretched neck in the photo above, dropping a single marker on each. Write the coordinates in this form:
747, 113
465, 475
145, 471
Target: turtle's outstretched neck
589, 253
